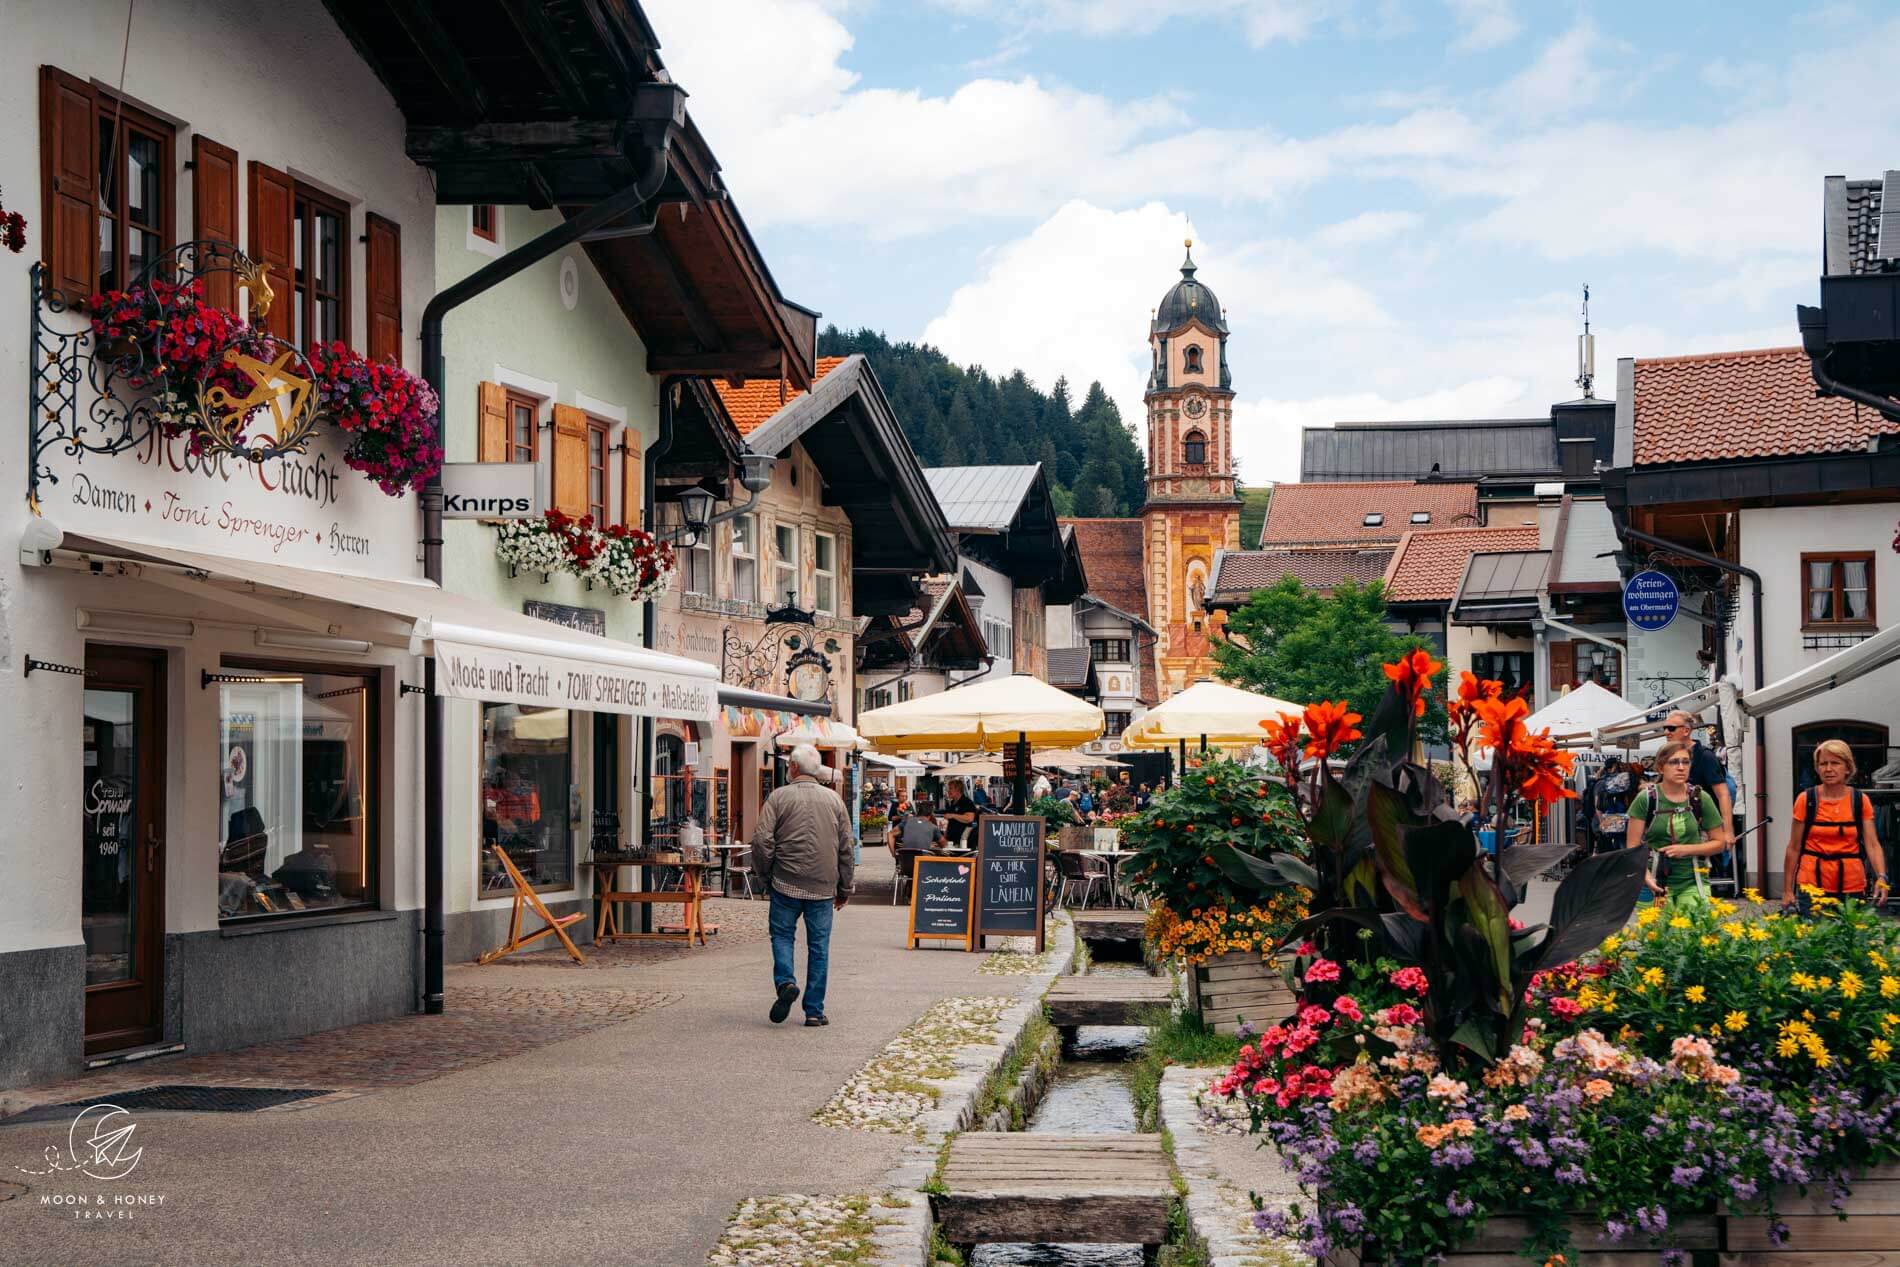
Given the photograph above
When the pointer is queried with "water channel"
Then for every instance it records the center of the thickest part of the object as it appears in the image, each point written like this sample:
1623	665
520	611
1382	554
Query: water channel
1090	1094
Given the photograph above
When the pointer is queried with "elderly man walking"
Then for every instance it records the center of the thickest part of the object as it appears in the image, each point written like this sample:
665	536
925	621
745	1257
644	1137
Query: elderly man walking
802	851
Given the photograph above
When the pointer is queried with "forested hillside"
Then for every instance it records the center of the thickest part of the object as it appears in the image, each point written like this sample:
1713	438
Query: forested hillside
957	416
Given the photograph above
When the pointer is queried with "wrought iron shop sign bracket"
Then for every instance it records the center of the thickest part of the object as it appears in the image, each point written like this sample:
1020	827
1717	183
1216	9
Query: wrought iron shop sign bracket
159	359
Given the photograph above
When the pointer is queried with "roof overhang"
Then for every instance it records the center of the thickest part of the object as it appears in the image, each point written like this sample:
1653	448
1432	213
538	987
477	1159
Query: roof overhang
1793	480
560	104
848	430
1033	549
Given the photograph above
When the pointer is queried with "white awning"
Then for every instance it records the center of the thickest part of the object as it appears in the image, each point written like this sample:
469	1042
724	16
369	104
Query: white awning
896	765
1837	670
481	651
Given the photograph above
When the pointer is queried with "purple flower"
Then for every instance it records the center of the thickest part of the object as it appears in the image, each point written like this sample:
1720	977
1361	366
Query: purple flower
1458	1206
1366	1151
1570	1172
1652	1219
1686	1176
1614	1230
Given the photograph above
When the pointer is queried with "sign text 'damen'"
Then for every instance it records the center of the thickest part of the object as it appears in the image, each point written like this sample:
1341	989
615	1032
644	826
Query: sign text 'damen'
546	681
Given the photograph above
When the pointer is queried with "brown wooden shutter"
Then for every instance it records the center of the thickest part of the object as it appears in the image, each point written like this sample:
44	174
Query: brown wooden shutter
384	301
273	229
69	182
1563	664
632	486
214	210
492	435
570	460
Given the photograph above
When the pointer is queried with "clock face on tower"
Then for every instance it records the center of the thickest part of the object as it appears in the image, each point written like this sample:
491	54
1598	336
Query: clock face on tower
1194	407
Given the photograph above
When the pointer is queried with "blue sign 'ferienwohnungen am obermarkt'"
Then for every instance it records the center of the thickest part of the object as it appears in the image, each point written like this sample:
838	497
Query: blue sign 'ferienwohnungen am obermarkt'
1650	600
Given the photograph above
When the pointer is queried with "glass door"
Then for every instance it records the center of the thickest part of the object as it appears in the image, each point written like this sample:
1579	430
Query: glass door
121	840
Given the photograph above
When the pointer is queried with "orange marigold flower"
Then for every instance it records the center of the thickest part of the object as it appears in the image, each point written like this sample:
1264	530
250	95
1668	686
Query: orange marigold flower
1330	725
1412	674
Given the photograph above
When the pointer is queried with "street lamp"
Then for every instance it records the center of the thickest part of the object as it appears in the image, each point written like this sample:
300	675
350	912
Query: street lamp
695	513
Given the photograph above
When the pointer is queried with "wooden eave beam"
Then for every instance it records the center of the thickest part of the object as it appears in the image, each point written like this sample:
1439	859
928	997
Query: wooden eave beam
542	197
697	318
530	17
610	35
521	141
746	362
439	51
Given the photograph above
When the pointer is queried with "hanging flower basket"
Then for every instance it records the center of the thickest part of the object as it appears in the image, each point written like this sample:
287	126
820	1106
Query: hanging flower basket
165	338
12	229
388	413
629	562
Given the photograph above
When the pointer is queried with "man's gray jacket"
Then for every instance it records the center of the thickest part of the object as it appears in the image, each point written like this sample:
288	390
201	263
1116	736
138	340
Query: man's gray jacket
802	846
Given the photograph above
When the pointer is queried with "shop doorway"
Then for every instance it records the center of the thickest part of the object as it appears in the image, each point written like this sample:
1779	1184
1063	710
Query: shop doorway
122	840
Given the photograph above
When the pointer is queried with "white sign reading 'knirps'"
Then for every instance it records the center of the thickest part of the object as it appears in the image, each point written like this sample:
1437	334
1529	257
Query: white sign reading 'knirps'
547	681
488	490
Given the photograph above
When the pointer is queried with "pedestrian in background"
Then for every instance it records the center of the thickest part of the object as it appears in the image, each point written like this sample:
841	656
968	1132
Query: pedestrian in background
802	851
1679	822
1833	846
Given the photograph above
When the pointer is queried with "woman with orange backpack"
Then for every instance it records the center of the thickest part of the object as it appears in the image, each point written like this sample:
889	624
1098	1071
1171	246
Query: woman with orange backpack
1833	846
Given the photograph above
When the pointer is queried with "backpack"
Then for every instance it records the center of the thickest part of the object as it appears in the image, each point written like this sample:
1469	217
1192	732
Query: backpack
1812	807
1644	807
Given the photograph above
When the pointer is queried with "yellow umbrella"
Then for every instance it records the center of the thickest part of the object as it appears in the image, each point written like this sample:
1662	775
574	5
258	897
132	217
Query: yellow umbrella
988	715
1206	713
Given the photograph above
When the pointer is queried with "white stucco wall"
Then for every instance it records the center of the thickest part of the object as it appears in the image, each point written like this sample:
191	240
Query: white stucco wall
1772	542
281	85
998	604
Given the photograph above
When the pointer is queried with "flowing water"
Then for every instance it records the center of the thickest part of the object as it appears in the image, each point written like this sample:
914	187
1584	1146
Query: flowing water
1090	1094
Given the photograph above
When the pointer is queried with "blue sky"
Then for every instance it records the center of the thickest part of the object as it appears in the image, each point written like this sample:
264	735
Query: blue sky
1396	202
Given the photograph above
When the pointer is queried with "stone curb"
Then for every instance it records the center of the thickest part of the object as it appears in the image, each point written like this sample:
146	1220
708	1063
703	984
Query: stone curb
1218	1215
905	1242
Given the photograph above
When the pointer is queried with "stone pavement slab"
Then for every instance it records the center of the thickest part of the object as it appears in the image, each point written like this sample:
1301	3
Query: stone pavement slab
1224	1168
628	1143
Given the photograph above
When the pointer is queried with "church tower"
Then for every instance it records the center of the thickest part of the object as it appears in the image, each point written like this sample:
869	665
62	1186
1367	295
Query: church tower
1192	511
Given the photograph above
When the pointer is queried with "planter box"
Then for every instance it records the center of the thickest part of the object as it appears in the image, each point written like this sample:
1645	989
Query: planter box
1501	1244
1237	986
1870	1236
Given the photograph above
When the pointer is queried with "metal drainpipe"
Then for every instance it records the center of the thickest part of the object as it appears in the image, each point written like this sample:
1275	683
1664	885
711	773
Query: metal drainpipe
435	373
1761	723
649	624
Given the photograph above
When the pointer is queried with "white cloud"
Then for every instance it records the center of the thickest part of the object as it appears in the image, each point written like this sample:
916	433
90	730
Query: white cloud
1368	226
1261	22
1568	75
1485	23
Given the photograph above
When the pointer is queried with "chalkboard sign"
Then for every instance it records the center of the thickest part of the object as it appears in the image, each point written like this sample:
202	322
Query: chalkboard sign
940	905
1009	871
722	810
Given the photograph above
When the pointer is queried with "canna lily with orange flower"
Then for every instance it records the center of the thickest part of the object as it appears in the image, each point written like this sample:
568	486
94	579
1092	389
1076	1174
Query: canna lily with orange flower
1329	726
1462	712
1412	676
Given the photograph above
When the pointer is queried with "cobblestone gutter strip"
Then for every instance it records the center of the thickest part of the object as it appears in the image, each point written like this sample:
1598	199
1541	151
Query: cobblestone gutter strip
905	1240
1219	1213
805	1230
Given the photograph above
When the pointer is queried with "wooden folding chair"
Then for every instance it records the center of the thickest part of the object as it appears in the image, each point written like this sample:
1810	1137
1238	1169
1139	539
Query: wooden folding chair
525	895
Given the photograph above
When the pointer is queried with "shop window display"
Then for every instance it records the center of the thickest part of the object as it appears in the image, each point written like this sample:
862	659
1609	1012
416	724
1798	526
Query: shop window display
527	769
296	804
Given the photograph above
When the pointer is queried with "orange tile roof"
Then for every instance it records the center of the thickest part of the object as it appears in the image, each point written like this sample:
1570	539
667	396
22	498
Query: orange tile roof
1317	514
1427	565
752	404
1726	405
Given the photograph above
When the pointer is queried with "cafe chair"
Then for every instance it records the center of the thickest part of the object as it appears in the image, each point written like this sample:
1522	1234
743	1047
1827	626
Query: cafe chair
906	873
1075	871
739	863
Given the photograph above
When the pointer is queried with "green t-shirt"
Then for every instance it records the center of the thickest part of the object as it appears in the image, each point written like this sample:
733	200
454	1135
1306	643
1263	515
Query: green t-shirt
1667	822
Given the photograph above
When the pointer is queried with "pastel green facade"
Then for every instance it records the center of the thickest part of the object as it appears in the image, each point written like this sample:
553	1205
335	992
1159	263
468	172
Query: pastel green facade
523	334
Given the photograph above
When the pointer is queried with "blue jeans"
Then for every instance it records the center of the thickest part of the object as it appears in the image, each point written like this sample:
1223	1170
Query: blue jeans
784	925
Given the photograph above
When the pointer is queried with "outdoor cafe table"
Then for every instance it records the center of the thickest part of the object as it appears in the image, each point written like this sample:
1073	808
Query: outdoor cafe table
690	897
727	848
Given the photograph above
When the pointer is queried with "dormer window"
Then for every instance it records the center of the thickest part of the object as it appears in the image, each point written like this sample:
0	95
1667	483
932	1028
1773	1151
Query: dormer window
1374	519
1192	362
1194	449
1421	516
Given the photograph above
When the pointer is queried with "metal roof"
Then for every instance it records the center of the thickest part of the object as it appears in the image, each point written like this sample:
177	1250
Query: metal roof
981	498
1465	449
1855	214
1503	574
1071	667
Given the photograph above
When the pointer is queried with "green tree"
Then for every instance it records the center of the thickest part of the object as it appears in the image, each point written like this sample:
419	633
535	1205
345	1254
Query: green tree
1305	647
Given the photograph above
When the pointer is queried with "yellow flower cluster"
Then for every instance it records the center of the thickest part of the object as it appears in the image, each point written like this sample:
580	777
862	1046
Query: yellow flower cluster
1798	1036
1208	932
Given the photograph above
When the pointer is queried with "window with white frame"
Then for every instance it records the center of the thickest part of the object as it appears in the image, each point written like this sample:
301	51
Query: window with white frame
785	564
825	573
745	558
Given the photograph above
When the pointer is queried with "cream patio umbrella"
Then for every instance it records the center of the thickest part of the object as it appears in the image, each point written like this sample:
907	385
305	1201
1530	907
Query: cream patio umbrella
1208	712
1070	759
1018	710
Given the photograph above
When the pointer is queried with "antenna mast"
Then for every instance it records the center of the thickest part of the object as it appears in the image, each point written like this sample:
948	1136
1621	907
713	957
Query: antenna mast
1586	351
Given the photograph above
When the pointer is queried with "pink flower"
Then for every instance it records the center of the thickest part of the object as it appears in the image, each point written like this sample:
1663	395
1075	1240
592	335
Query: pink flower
1412	979
1323	970
1347	1007
1314	1016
